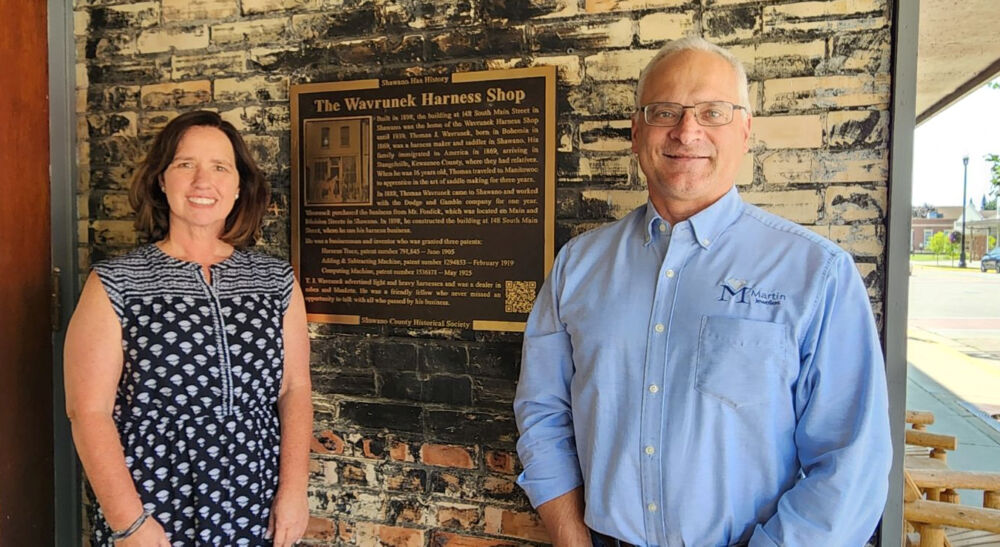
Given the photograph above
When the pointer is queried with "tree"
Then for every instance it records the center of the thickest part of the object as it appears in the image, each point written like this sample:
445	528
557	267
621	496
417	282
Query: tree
994	159
923	211
939	244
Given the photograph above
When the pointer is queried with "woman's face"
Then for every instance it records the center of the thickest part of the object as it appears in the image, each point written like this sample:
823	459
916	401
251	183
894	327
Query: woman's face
201	183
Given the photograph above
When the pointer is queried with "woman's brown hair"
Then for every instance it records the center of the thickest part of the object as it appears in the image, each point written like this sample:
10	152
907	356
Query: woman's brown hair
242	227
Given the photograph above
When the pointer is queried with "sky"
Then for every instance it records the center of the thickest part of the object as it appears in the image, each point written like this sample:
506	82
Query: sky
970	127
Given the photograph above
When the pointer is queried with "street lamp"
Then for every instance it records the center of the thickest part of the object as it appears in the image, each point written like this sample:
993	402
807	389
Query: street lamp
965	178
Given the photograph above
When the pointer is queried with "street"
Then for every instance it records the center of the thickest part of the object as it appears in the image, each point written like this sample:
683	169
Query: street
963	306
953	358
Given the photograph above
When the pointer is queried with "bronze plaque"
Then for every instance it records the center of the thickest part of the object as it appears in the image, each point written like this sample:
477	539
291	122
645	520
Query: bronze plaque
427	201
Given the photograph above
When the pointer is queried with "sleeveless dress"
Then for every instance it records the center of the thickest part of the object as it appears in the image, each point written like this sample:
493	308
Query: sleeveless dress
196	406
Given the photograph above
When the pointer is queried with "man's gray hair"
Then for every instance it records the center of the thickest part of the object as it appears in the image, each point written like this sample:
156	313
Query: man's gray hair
699	44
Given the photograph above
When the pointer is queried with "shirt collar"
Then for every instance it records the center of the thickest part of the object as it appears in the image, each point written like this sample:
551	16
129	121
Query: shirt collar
652	224
707	225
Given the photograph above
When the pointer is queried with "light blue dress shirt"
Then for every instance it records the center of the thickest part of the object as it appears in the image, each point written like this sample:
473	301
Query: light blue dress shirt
717	382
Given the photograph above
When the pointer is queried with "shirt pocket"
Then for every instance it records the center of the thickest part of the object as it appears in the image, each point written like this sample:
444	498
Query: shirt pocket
742	362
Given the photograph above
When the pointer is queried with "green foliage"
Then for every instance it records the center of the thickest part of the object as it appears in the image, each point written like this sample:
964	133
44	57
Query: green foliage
940	244
994	161
991	242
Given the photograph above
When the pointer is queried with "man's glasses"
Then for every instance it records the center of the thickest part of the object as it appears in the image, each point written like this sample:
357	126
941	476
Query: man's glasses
710	113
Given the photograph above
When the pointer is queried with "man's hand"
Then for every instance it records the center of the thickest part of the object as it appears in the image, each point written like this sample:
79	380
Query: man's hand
289	518
563	518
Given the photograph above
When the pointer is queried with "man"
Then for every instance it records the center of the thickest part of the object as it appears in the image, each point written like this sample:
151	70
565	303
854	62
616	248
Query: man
702	372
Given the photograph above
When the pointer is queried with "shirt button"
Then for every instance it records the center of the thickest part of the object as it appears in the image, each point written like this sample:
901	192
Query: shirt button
650	450
705	242
670	273
659	327
653	388
662	227
651	507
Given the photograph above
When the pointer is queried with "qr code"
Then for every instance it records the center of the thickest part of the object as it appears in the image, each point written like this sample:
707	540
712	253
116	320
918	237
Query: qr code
520	295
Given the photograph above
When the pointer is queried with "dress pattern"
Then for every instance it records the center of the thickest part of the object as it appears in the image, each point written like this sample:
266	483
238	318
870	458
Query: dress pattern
196	406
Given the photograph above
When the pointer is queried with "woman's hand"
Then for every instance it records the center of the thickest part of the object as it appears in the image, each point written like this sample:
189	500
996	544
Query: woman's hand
289	518
150	534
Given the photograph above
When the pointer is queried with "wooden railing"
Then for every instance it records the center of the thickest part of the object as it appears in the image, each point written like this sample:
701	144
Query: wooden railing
930	500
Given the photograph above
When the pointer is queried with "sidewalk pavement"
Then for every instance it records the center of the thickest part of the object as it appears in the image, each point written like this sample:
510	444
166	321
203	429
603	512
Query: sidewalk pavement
962	389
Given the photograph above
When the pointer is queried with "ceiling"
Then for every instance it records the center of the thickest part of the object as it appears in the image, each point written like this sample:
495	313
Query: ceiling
959	51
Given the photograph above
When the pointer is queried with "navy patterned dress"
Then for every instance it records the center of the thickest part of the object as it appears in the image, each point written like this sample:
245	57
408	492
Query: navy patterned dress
196	406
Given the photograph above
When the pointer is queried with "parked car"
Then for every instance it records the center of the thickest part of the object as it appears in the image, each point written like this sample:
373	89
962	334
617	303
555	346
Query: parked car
991	260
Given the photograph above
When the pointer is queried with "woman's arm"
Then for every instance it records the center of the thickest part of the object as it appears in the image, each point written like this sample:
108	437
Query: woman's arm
93	365
290	512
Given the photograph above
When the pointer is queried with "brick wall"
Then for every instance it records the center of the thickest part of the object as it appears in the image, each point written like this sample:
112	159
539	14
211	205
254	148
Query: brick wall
414	436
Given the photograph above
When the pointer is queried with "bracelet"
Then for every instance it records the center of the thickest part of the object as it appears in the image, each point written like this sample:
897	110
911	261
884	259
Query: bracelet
122	534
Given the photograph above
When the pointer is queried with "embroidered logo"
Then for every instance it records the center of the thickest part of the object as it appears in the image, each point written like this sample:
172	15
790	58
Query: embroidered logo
741	292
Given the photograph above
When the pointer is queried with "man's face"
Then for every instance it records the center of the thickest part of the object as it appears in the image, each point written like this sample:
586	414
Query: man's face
689	166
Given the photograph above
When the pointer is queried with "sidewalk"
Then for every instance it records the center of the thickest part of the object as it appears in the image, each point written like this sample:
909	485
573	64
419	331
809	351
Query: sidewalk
945	264
941	376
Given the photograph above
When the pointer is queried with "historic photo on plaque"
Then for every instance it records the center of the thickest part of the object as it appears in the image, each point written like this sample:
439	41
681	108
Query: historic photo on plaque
337	165
427	201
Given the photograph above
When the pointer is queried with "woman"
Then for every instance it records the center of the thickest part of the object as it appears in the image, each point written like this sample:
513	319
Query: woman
187	360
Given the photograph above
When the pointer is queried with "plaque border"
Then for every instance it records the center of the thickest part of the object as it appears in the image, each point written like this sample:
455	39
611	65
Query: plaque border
547	72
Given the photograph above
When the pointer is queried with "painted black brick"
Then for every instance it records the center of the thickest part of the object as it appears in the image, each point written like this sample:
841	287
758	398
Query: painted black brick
137	71
352	474
359	20
409	386
606	132
102	19
567	203
98	206
455	485
345	381
391	416
393	355
564	232
566	36
110	125
725	22
117	150
401	510
471	427
400	385
495	360
112	98
452	358
477	41
405	479
380	51
341	351
511	493
494	393
449	390
519	10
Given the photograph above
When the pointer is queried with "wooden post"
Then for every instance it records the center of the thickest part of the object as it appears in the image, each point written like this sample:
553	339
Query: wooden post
931	535
933	494
991	499
949	495
917	417
939	454
949	514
